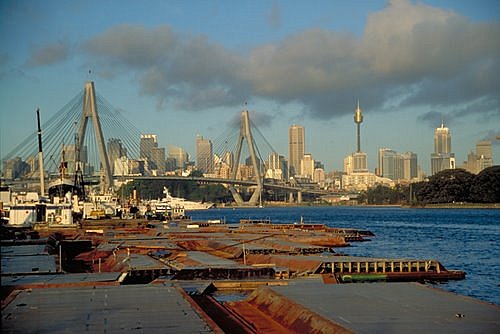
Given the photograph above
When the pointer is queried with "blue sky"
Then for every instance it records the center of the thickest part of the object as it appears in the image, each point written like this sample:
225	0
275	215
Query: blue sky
181	68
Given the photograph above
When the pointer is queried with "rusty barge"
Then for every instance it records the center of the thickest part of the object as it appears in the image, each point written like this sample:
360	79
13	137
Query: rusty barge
150	268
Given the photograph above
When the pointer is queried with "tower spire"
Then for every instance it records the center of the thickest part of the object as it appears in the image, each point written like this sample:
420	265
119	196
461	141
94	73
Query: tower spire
358	119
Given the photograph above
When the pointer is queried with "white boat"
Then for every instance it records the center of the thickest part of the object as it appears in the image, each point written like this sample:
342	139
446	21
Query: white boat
26	210
187	205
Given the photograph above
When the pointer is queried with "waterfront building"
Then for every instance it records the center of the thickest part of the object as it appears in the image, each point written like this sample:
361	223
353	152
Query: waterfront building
360	181
442	158
296	148
204	155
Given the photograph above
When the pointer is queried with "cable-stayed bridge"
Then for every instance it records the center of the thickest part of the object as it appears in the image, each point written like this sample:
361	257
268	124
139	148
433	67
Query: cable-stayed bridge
83	135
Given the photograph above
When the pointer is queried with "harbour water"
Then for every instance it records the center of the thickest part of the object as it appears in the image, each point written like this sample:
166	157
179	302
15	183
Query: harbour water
462	239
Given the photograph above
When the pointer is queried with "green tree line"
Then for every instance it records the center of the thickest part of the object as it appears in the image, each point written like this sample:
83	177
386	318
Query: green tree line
448	186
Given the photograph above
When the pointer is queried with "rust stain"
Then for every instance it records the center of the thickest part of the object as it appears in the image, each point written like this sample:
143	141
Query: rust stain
294	317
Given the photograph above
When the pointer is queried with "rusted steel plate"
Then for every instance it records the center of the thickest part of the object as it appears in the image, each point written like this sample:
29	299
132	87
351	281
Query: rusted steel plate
294	317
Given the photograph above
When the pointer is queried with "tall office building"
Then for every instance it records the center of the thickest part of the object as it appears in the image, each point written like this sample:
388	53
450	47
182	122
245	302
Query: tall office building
276	167
481	159
307	166
442	140
204	155
179	155
116	150
397	166
348	164
442	158
146	145
360	162
158	159
296	148
410	166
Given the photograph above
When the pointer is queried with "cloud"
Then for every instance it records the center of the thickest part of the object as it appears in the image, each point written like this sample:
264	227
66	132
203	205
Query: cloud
188	71
409	55
49	54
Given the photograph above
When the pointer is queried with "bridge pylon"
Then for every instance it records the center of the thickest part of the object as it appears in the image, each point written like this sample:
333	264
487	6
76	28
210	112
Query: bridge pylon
90	111
246	134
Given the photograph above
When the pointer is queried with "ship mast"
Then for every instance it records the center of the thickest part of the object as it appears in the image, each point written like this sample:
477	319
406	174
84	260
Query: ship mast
40	154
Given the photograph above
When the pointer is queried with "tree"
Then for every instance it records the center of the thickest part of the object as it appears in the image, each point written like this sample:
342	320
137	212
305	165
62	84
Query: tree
486	186
386	195
451	185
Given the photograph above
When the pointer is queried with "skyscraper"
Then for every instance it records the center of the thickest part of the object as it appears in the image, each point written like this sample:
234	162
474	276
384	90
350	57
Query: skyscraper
442	140
204	155
146	145
179	155
442	158
481	159
397	166
116	150
307	166
296	147
410	166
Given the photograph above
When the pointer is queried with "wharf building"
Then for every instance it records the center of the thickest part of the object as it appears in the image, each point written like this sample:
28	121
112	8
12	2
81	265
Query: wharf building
481	159
442	158
296	148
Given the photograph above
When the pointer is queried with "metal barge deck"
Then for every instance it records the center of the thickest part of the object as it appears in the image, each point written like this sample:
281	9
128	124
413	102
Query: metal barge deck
103	270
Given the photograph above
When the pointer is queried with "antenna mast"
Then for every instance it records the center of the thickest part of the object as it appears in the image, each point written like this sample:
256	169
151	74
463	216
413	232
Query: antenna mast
40	155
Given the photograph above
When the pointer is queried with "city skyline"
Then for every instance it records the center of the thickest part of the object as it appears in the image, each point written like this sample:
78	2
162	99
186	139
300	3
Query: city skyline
176	70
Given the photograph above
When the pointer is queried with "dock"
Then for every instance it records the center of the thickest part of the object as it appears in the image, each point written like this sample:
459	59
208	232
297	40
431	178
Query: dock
252	277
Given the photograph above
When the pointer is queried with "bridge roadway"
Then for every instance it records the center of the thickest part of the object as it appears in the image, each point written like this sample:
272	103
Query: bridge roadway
229	181
22	184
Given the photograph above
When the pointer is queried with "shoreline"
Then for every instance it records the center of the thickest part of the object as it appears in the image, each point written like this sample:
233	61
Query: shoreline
415	206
